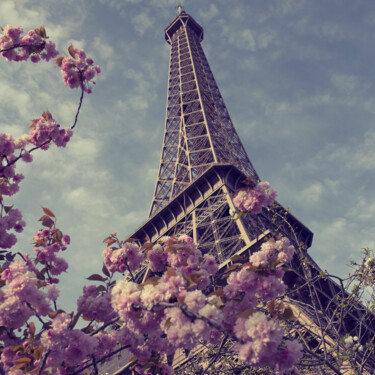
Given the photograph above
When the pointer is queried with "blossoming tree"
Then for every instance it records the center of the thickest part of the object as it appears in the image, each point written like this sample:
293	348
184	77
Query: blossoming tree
186	301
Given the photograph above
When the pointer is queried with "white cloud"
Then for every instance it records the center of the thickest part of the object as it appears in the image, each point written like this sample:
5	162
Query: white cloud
364	210
250	40
265	38
344	82
88	202
332	31
143	22
106	55
312	194
246	40
172	4
13	98
12	13
209	14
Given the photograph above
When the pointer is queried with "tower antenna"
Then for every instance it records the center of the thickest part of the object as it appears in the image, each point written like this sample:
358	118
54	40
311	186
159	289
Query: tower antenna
180	9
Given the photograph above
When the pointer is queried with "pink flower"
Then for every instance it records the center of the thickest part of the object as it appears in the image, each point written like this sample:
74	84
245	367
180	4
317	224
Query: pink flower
255	199
209	264
265	336
287	358
212	313
195	300
27	157
13	33
94	305
7	145
35	58
157	258
52	292
50	51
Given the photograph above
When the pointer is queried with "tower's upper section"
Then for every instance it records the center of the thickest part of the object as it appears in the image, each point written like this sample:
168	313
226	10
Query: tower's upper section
198	130
183	19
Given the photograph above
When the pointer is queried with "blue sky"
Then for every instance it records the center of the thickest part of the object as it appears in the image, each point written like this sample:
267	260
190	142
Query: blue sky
297	79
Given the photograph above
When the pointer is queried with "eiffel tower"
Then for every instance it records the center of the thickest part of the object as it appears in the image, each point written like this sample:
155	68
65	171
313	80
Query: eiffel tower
203	162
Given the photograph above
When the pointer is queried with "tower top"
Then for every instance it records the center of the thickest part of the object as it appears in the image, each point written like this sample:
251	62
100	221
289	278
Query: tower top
198	130
182	20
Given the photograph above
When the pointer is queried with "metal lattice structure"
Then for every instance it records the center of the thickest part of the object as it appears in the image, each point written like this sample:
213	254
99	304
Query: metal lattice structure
202	164
198	128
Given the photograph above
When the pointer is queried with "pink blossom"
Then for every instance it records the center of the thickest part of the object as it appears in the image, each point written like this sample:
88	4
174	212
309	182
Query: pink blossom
119	260
255	199
209	264
58	266
52	292
27	157
35	58
124	296
94	305
13	33
157	258
78	71
195	300
265	336
288	357
212	313
50	51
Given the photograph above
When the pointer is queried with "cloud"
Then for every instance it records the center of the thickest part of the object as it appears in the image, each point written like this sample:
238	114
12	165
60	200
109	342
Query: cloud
250	40
344	82
143	22
265	38
16	99
209	14
105	53
20	14
358	156
312	194
364	210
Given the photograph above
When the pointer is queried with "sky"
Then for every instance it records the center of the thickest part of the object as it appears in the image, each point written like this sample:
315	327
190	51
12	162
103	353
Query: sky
296	77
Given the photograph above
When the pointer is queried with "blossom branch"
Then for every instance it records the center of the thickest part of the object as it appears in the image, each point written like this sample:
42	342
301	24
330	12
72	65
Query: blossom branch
37	46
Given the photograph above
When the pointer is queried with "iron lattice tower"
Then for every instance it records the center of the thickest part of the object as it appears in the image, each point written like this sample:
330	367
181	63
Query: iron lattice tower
198	130
202	164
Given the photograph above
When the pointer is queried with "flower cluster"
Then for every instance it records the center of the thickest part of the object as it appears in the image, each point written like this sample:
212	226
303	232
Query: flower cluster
22	298
273	252
170	310
9	179
12	220
174	311
48	242
45	129
125	258
254	199
77	70
95	305
16	47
